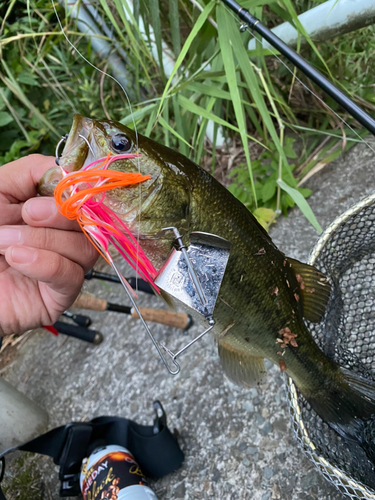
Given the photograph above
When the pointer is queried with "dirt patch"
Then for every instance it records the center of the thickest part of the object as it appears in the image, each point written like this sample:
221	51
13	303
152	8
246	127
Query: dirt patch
10	346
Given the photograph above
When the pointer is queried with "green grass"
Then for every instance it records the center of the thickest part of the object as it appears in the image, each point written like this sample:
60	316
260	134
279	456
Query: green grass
215	79
23	480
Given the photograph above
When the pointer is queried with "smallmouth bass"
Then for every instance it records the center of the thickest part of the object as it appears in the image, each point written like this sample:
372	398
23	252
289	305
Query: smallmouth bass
264	295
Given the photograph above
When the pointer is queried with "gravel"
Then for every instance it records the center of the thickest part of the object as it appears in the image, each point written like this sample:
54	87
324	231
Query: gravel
238	443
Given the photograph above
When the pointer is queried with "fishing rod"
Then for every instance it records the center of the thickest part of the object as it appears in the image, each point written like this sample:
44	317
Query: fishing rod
337	95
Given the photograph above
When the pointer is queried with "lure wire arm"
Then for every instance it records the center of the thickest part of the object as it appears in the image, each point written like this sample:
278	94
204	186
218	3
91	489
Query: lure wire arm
160	346
211	322
192	273
154	341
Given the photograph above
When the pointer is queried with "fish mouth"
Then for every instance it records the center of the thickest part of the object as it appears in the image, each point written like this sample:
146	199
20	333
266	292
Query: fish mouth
80	150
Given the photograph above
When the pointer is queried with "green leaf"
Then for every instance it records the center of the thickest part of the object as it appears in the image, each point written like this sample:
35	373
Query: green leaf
288	147
197	26
305	192
2	103
26	78
302	204
268	190
198	110
138	115
249	4
136	44
209	90
5	118
264	216
301	29
155	21
175	26
253	88
226	27
13	86
166	125
180	125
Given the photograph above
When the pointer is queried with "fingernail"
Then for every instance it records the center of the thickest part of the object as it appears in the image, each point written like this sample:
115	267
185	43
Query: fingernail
23	255
41	209
9	236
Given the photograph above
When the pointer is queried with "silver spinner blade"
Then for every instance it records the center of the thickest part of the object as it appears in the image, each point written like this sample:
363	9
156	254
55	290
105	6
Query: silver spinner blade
208	254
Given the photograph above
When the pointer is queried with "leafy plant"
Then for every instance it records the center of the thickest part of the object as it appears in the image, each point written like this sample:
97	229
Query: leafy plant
191	77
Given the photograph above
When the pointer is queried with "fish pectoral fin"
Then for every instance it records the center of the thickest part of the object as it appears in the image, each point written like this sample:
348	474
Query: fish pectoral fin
239	366
314	290
167	299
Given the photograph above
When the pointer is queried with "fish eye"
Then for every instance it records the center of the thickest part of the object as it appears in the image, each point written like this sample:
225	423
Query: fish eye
121	143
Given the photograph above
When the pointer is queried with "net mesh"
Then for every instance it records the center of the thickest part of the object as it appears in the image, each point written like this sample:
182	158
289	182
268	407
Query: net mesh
346	254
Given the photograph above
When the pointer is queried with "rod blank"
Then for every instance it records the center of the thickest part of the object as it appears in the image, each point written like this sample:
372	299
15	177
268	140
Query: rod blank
312	73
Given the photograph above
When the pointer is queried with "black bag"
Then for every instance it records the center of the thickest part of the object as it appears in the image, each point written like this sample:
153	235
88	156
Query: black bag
154	447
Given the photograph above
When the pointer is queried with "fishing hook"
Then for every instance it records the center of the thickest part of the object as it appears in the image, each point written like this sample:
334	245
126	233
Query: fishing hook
57	157
63	139
88	144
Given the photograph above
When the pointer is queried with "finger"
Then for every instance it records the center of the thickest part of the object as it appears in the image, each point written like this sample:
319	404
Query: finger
42	212
18	182
19	179
3	264
69	244
62	278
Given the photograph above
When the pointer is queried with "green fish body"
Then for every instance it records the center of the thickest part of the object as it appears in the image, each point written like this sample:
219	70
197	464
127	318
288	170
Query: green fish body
264	295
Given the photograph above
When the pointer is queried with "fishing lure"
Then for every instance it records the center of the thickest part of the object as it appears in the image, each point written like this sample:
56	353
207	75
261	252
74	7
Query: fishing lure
80	196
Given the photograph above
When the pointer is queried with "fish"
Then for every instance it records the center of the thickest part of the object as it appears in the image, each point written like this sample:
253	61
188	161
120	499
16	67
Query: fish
264	297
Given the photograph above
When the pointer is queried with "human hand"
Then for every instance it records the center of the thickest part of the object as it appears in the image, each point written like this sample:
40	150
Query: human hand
43	255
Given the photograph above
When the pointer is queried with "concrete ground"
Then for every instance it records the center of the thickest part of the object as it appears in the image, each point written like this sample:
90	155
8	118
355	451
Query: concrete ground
238	442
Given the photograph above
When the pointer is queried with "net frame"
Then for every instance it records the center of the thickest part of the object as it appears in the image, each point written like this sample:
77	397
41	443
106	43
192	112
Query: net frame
359	245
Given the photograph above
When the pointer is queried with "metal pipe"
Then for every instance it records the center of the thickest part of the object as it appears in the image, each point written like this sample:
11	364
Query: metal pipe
336	94
325	21
87	26
107	31
168	64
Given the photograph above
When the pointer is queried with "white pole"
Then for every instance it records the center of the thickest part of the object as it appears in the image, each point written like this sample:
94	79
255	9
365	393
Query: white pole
327	20
21	419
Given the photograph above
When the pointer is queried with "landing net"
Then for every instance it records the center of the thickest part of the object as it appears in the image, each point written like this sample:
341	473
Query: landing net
346	254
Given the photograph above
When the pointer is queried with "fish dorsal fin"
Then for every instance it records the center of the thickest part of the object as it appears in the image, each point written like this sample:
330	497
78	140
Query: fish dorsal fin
314	290
239	366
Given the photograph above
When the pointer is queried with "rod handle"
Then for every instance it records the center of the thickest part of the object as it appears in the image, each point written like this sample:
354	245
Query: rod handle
85	301
169	318
92	336
81	320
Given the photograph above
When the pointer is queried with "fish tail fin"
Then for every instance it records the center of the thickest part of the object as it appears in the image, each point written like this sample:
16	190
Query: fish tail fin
347	404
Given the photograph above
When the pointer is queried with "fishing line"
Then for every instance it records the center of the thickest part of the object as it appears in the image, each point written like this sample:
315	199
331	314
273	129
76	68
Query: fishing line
296	77
97	69
131	112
